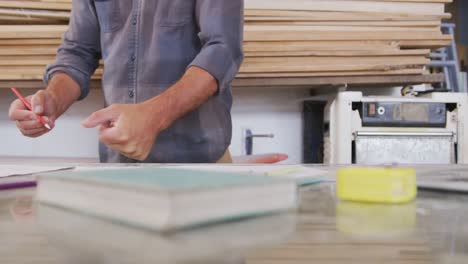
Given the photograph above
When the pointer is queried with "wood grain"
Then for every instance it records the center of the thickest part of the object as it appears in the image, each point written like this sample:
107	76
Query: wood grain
303	40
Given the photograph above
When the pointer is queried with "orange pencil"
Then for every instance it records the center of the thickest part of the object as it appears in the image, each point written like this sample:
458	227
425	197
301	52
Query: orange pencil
28	105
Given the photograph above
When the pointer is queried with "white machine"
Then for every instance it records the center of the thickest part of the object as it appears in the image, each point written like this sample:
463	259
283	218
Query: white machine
432	129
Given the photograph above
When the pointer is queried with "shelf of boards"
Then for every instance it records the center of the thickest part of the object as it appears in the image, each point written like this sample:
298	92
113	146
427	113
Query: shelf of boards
290	83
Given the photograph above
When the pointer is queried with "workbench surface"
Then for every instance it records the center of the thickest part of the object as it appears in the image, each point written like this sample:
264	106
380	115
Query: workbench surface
433	229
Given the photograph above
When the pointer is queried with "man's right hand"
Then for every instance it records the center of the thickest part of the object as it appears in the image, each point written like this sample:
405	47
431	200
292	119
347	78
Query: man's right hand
44	103
51	103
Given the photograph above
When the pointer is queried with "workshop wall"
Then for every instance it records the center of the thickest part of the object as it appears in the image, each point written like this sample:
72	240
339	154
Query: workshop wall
271	111
276	111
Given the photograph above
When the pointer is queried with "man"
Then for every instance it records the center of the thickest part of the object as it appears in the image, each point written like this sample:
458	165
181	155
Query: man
168	65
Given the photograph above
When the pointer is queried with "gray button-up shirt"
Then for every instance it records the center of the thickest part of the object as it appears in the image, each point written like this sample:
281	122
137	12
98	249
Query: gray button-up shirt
147	45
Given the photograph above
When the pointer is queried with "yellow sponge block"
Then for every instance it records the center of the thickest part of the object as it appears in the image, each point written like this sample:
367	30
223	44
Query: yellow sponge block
377	185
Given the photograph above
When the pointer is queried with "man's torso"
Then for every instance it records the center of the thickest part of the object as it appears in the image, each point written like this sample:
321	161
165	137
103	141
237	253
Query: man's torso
146	47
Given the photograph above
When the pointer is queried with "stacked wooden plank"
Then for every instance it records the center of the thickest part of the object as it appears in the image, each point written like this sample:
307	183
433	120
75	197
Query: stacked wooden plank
314	38
30	32
283	39
34	12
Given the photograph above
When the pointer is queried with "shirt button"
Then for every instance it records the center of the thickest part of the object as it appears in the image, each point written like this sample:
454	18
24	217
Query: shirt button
134	21
131	93
133	58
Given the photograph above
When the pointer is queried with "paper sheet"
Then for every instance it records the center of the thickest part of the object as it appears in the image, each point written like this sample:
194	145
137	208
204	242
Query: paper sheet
302	174
19	170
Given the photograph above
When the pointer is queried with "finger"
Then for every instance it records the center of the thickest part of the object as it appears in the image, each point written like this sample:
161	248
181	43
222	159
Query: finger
38	134
121	149
134	154
18	105
34	132
131	150
116	140
18	111
21	115
38	102
33	123
141	157
112	136
29	124
102	117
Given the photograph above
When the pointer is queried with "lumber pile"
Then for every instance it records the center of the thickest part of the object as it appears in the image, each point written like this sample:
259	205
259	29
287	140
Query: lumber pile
313	38
34	12
30	33
291	39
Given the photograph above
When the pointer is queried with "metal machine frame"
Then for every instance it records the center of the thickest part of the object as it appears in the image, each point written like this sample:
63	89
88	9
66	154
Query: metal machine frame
345	124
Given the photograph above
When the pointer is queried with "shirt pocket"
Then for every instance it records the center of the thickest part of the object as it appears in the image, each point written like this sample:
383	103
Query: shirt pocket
108	13
175	12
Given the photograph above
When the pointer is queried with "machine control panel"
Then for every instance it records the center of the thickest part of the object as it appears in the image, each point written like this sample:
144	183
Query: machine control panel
398	114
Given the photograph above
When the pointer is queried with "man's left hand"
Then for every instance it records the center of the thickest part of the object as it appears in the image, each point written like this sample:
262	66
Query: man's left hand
130	129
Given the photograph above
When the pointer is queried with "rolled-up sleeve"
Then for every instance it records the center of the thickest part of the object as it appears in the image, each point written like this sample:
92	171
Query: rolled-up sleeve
221	35
79	54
